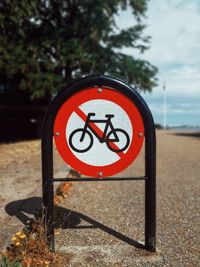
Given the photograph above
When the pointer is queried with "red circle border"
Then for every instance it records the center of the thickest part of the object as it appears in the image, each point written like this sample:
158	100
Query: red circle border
70	106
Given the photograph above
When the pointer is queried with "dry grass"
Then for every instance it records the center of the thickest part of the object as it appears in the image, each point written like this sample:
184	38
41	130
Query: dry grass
29	246
63	188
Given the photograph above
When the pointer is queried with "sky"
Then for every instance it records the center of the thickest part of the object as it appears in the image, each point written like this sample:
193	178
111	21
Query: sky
174	27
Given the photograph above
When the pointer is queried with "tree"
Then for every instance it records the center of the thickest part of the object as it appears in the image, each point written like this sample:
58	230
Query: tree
45	44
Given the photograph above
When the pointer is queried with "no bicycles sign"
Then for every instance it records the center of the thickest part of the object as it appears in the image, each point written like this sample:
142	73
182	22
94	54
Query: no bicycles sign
98	131
99	124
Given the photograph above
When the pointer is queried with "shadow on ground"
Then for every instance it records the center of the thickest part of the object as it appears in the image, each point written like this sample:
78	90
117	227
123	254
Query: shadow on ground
188	134
25	209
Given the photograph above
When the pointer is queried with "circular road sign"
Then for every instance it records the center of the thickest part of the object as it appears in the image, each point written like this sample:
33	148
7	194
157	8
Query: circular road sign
98	131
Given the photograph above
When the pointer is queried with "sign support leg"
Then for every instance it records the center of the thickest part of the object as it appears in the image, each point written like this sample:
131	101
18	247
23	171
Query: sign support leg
150	233
48	214
47	185
150	191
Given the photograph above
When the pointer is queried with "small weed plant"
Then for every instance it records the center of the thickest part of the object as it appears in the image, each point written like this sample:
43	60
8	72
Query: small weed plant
6	263
28	247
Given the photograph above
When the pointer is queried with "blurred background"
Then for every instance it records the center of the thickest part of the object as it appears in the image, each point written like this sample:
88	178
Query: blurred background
44	45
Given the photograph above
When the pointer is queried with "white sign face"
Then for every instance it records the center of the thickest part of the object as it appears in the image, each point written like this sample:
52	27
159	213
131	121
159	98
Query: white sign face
98	131
99	154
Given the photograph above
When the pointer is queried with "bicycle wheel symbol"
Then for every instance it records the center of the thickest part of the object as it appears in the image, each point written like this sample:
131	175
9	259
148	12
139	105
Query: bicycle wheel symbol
76	142
121	144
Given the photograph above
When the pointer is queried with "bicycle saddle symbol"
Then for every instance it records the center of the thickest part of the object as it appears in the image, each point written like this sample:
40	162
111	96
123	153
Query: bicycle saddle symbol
81	139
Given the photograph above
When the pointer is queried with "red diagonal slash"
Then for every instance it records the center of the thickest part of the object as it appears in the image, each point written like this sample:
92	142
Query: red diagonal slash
99	132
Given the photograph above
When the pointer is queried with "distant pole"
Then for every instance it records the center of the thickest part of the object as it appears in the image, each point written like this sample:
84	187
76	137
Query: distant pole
164	107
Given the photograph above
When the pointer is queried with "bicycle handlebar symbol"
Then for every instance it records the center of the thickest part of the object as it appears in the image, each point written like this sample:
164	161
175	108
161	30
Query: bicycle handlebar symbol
81	139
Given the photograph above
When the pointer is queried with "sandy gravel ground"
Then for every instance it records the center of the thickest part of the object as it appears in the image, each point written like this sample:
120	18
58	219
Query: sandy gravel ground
100	221
20	179
103	217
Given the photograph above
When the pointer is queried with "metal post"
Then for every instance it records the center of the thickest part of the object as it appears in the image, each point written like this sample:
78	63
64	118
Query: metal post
150	189
164	107
47	183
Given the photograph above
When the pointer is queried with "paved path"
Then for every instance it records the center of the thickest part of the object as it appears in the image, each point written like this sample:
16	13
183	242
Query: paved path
20	179
103	220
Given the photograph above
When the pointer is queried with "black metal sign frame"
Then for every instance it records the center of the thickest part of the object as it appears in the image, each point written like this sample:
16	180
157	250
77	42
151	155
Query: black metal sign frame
150	155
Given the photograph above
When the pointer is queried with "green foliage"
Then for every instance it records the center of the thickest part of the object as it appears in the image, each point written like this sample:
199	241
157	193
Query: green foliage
6	263
44	44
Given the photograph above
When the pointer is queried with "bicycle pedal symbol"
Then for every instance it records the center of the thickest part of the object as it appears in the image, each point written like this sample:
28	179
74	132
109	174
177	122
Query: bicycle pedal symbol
81	140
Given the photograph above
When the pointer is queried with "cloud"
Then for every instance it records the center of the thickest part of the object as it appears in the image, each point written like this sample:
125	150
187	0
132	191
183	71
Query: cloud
183	80
174	27
177	113
175	31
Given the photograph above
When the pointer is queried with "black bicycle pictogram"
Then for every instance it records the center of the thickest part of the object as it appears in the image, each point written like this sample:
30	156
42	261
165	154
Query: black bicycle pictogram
81	139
